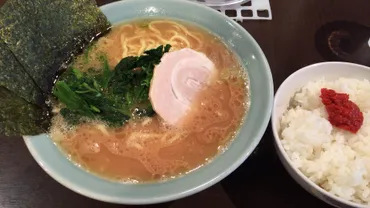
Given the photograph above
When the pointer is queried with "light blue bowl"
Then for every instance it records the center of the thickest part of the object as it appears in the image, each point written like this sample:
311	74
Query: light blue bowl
261	85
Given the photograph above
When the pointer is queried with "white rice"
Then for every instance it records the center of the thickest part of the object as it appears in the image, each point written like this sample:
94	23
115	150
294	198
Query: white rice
336	160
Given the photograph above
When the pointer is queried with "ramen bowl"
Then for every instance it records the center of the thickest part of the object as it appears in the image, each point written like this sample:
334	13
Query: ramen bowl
55	163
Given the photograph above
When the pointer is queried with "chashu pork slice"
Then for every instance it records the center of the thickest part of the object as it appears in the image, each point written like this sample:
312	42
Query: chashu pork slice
177	80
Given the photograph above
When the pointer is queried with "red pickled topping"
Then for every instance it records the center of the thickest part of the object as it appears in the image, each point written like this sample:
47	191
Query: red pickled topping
343	113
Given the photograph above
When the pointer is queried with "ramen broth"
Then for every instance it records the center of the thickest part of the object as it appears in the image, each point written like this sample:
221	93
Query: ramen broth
148	149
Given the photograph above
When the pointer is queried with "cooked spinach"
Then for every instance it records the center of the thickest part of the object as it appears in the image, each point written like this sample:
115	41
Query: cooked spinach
112	95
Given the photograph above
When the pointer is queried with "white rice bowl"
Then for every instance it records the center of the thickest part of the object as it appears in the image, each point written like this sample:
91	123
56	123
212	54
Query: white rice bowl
336	160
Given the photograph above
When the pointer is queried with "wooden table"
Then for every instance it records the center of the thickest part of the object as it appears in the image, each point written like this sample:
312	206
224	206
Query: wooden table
289	44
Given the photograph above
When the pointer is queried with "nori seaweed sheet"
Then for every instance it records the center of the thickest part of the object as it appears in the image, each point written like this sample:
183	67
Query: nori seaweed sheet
18	117
43	34
82	21
14	78
19	30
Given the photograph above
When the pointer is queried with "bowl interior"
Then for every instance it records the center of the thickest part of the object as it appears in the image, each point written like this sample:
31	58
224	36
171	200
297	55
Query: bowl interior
331	71
261	86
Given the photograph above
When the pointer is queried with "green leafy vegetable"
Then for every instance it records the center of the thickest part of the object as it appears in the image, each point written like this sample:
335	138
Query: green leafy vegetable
133	75
111	96
87	53
71	98
145	24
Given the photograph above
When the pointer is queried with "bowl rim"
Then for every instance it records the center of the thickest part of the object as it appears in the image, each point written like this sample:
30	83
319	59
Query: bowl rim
63	180
277	139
